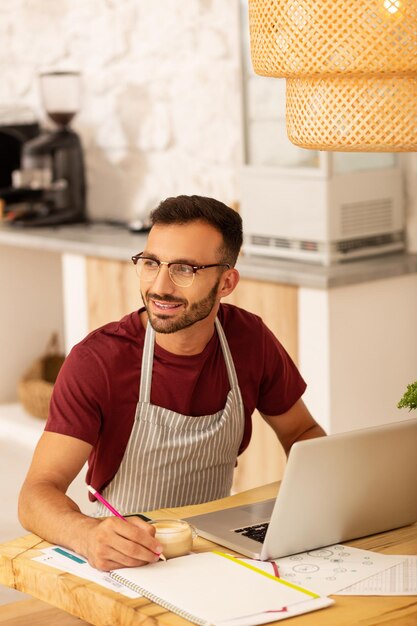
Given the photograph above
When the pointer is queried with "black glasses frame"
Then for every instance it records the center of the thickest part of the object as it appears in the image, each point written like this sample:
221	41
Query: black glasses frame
195	268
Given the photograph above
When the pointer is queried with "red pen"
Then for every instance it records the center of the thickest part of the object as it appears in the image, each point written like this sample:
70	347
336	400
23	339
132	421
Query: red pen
108	506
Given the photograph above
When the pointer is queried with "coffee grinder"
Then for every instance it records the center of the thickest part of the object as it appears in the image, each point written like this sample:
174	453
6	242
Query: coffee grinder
50	186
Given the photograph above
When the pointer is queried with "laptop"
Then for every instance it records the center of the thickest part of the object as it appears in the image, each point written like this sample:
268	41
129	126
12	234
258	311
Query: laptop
335	488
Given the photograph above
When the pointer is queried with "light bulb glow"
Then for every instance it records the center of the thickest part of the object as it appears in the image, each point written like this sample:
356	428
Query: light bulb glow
392	6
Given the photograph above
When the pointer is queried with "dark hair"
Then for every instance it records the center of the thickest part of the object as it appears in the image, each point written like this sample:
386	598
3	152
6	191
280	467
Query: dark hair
185	209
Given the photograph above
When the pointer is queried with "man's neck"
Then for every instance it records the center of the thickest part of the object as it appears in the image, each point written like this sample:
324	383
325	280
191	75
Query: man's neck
187	342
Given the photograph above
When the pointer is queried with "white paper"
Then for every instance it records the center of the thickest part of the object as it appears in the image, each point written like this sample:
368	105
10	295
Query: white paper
400	580
254	620
68	561
290	611
217	589
330	569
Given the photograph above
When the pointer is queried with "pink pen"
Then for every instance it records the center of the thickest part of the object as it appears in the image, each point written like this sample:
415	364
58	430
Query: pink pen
103	501
108	506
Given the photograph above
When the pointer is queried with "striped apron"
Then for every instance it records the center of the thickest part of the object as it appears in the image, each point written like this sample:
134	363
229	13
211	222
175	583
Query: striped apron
173	459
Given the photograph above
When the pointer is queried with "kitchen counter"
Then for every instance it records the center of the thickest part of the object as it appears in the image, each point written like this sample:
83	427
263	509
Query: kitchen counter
115	242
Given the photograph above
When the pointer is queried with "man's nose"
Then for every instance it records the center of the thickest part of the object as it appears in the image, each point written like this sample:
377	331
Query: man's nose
163	282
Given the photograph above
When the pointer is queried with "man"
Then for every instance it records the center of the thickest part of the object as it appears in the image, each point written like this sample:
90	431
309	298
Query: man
160	402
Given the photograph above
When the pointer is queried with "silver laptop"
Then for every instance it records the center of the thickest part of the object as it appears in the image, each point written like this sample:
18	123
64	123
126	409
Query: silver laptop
334	489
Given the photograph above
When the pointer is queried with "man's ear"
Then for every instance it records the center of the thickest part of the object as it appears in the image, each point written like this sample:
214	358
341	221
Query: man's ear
228	282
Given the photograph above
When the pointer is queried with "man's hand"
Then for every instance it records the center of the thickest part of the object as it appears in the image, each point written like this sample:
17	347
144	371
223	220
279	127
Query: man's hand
46	510
114	543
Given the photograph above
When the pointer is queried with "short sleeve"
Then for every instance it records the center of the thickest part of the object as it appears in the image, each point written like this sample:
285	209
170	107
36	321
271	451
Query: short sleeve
282	384
77	399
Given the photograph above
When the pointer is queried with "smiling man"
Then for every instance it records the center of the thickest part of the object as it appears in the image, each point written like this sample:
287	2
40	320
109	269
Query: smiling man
160	402
196	299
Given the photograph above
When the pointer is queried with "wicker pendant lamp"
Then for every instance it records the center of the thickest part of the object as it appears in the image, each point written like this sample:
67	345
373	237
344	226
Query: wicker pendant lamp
351	70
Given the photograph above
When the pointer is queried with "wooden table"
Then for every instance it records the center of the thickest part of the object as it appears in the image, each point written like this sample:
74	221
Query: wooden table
101	607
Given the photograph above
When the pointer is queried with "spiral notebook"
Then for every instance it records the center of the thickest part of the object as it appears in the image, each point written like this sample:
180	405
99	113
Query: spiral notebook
218	589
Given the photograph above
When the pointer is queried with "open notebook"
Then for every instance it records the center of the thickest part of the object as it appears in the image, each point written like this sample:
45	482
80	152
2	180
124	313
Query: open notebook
218	589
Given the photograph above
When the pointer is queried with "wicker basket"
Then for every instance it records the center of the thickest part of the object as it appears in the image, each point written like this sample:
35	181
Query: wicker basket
35	388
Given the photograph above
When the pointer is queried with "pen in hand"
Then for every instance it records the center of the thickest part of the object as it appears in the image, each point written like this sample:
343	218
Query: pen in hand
108	506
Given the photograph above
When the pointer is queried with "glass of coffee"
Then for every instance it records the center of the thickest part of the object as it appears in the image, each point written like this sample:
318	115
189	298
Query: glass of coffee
175	536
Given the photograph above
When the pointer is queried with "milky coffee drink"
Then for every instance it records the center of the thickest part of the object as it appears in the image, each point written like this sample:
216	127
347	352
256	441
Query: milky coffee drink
175	537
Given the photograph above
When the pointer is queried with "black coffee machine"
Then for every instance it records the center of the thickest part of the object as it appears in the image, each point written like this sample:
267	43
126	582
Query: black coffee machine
49	188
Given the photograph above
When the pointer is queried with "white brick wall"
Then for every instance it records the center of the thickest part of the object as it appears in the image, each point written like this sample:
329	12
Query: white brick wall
162	103
161	108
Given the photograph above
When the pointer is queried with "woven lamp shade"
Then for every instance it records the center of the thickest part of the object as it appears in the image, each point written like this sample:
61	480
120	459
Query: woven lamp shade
351	70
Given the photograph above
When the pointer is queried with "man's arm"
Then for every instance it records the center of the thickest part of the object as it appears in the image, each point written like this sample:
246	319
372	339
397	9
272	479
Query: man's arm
45	510
294	425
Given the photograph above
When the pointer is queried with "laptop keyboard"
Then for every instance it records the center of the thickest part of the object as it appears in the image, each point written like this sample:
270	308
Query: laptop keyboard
256	532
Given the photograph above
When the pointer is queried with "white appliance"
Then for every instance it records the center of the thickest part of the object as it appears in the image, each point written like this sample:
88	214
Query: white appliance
316	214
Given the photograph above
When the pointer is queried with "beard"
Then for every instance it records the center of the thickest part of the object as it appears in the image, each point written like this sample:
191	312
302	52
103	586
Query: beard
193	313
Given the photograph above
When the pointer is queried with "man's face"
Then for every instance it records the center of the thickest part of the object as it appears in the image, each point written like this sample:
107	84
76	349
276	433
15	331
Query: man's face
171	308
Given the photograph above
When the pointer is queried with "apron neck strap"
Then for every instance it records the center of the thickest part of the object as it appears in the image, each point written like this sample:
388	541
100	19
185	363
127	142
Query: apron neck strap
148	354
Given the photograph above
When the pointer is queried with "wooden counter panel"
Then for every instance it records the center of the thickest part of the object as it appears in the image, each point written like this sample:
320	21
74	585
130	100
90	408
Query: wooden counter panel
264	460
112	290
276	304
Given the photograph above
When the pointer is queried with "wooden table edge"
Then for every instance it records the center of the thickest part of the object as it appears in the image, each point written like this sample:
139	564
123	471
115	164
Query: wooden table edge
90	601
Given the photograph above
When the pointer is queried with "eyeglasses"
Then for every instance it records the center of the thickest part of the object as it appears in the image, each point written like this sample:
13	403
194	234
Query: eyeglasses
181	274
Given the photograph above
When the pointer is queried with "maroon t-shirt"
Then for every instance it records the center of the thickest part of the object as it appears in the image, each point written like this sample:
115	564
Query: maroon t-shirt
97	389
